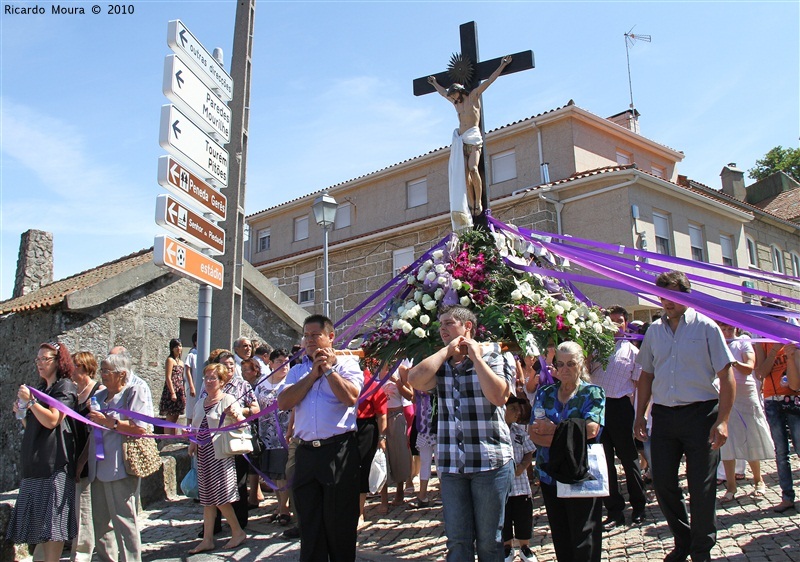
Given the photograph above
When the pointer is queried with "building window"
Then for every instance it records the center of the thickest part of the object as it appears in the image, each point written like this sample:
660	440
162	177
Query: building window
777	260
305	292
300	228
697	242
752	252
624	158
795	265
726	245
504	166
402	258
342	219
264	239
661	224
658	171
417	193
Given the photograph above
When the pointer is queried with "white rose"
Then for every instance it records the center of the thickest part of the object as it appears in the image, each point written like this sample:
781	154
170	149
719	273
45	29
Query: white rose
465	301
516	295
456	284
593	316
438	254
412	313
558	309
598	328
531	349
440	268
426	298
420	333
410	279
566	305
396	325
430	305
572	316
438	294
421	275
442	280
430	276
417	295
406	327
424	319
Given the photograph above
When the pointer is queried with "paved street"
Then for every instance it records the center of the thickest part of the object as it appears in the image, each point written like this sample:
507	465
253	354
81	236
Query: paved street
748	531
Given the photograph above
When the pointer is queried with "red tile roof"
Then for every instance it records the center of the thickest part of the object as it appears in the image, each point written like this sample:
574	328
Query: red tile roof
785	205
57	291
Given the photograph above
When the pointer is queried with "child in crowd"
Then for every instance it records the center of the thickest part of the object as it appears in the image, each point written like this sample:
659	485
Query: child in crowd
519	506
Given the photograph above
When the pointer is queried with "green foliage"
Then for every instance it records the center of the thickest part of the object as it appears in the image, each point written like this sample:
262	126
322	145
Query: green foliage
777	159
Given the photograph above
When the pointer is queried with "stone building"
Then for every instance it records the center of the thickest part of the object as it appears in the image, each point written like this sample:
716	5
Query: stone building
564	171
128	302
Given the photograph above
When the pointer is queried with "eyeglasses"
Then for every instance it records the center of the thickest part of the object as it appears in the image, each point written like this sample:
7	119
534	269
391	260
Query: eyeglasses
40	360
108	371
561	364
210	379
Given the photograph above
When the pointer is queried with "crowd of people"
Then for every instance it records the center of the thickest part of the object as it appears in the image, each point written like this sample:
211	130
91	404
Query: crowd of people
689	387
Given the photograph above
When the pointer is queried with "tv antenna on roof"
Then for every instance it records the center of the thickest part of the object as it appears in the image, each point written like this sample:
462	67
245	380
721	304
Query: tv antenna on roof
630	39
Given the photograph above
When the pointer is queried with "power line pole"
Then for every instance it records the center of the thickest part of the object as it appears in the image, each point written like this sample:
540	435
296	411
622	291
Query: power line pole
226	308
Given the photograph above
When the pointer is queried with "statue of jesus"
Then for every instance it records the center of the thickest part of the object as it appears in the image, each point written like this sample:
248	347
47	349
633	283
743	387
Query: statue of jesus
465	151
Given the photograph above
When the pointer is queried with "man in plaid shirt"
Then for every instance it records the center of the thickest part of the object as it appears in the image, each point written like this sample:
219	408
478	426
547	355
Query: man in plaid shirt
474	455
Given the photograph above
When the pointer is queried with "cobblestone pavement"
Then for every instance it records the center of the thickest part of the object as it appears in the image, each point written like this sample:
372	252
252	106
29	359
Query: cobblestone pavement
748	531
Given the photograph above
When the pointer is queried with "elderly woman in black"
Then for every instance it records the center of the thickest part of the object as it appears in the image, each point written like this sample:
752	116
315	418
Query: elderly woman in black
45	510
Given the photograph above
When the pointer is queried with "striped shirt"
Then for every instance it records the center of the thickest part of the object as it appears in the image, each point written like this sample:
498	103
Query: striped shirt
619	378
472	433
522	444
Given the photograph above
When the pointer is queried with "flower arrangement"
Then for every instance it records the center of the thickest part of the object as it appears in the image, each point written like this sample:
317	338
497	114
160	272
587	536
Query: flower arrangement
524	311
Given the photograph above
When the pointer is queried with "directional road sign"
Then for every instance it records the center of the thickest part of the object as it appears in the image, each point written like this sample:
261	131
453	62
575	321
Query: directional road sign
187	91
182	221
192	52
185	260
185	140
175	177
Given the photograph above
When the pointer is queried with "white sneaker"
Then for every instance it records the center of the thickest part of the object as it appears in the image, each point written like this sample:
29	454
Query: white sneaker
527	555
510	557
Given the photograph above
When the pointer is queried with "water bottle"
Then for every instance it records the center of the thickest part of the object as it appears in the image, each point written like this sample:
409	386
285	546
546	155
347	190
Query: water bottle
538	411
94	405
22	408
785	381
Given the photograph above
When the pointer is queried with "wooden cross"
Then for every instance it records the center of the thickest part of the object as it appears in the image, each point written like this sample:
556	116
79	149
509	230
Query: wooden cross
481	71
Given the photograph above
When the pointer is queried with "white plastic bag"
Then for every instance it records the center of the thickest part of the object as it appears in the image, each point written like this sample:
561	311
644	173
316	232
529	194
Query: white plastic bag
596	486
377	473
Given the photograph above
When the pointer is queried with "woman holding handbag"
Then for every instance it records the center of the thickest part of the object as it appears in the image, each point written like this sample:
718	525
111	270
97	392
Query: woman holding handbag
216	476
575	523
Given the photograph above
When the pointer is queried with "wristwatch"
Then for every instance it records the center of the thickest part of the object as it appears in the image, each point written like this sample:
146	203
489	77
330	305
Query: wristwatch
382	438
116	423
31	402
328	372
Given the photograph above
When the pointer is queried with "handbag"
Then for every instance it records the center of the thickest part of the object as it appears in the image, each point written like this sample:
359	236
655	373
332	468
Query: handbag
141	456
595	485
235	442
258	444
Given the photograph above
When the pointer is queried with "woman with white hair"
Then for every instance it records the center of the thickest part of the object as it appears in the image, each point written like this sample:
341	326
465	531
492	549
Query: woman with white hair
115	493
575	523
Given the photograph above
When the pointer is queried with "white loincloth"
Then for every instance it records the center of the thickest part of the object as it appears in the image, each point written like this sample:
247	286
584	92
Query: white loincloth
460	213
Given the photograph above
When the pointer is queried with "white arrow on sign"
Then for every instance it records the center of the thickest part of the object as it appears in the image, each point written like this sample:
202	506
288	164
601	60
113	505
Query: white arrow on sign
192	52
187	141
185	89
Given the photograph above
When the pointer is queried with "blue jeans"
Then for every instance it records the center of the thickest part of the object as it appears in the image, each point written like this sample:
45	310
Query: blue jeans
782	425
474	507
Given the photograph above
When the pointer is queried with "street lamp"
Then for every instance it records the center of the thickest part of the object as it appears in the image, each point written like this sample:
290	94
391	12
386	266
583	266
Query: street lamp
325	213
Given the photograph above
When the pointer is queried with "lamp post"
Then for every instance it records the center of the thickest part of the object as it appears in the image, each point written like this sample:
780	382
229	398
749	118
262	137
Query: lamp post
325	213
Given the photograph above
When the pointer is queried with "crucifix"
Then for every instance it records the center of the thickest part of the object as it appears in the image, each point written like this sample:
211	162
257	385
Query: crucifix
463	84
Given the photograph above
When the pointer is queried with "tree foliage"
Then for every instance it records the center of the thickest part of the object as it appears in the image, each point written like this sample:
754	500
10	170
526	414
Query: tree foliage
777	159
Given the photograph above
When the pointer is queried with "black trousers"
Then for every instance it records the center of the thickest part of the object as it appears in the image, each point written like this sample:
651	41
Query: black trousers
617	439
326	497
575	525
518	522
680	431
367	445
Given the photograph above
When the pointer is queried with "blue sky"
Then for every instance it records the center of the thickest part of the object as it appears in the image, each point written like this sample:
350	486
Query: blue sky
331	96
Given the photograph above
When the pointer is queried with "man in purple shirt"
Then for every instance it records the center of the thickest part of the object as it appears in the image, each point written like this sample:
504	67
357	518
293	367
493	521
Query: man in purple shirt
323	390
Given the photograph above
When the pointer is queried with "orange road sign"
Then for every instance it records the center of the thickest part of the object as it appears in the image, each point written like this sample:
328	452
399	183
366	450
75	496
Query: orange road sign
185	260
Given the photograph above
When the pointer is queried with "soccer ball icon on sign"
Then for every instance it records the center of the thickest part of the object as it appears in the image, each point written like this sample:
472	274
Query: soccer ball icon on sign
180	257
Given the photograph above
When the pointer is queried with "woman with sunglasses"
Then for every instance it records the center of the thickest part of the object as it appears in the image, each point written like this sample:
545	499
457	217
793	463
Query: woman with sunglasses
575	523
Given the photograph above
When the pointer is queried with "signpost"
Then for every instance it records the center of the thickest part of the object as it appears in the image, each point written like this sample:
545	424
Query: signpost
187	91
185	140
176	178
186	261
178	219
192	52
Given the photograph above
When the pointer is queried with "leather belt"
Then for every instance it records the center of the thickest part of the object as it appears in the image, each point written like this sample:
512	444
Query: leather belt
327	441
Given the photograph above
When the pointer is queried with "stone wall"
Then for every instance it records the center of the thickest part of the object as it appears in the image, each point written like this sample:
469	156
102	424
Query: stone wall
143	320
